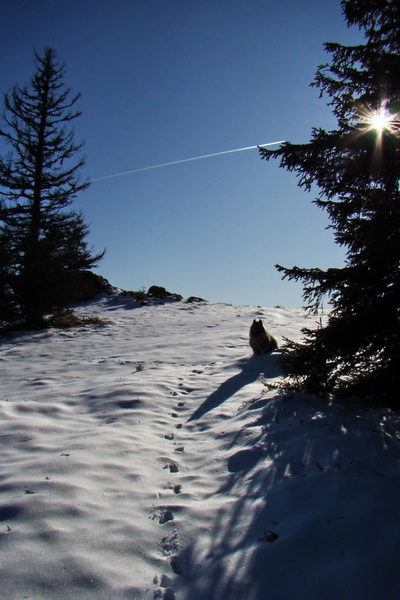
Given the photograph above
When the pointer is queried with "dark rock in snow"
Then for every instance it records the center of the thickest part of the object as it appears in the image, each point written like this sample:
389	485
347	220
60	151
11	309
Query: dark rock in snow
195	299
161	293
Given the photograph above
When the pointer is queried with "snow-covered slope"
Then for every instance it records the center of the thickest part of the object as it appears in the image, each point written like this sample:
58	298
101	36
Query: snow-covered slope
145	459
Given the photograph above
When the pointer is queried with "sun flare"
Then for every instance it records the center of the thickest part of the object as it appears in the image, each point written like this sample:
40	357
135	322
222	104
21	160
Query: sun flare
380	119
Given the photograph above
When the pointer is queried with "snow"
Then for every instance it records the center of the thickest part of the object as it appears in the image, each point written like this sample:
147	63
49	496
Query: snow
144	458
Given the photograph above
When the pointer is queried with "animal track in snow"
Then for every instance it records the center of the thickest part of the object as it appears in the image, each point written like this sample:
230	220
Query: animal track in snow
175	487
177	565
186	389
168	594
165	581
166	516
162	514
172	466
170	543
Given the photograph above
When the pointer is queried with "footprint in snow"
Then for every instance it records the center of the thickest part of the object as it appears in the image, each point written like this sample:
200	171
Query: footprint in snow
168	594
165	581
166	516
177	565
170	543
176	488
173	467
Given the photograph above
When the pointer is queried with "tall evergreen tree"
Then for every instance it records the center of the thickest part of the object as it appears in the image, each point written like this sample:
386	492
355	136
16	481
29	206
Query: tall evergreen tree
43	242
357	170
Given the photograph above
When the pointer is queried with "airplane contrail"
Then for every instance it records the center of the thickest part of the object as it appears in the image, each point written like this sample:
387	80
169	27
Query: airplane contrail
177	162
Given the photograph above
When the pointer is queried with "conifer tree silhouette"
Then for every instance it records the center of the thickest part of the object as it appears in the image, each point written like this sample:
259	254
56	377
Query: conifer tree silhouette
42	240
357	170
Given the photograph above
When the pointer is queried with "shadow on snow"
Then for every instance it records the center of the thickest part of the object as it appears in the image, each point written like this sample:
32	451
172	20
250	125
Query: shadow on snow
251	371
310	475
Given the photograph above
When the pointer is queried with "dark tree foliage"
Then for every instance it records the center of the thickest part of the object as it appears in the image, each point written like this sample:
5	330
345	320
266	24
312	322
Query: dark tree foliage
356	168
8	308
42	240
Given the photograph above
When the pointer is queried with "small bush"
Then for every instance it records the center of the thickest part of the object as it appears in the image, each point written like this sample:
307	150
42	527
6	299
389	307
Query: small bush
139	295
64	320
68	318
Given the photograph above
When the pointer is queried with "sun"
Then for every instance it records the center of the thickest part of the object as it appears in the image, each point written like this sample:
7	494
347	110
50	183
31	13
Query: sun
380	120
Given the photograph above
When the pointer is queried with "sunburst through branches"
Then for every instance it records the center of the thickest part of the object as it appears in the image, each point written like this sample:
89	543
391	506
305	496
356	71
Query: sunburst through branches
380	119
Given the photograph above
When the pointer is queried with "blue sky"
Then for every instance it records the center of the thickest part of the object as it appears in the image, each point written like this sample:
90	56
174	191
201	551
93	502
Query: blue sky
165	80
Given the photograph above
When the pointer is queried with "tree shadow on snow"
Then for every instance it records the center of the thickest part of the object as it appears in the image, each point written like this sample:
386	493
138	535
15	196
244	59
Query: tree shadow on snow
283	525
251	370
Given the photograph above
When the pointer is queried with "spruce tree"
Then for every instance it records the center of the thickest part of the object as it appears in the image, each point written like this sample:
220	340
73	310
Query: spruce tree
356	169
43	241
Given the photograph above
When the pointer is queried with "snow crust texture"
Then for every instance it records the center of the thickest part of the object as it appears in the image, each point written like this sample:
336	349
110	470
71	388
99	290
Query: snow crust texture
145	458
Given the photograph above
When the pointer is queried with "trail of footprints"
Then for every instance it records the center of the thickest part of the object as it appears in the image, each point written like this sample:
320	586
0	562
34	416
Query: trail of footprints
170	544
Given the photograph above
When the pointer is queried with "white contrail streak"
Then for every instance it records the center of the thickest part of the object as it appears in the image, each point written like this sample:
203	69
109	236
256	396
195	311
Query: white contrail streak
177	162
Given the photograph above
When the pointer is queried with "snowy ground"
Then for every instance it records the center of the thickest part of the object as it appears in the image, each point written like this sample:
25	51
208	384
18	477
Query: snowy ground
145	459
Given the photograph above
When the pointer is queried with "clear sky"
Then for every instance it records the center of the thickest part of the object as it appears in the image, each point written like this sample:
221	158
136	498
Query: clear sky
165	80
